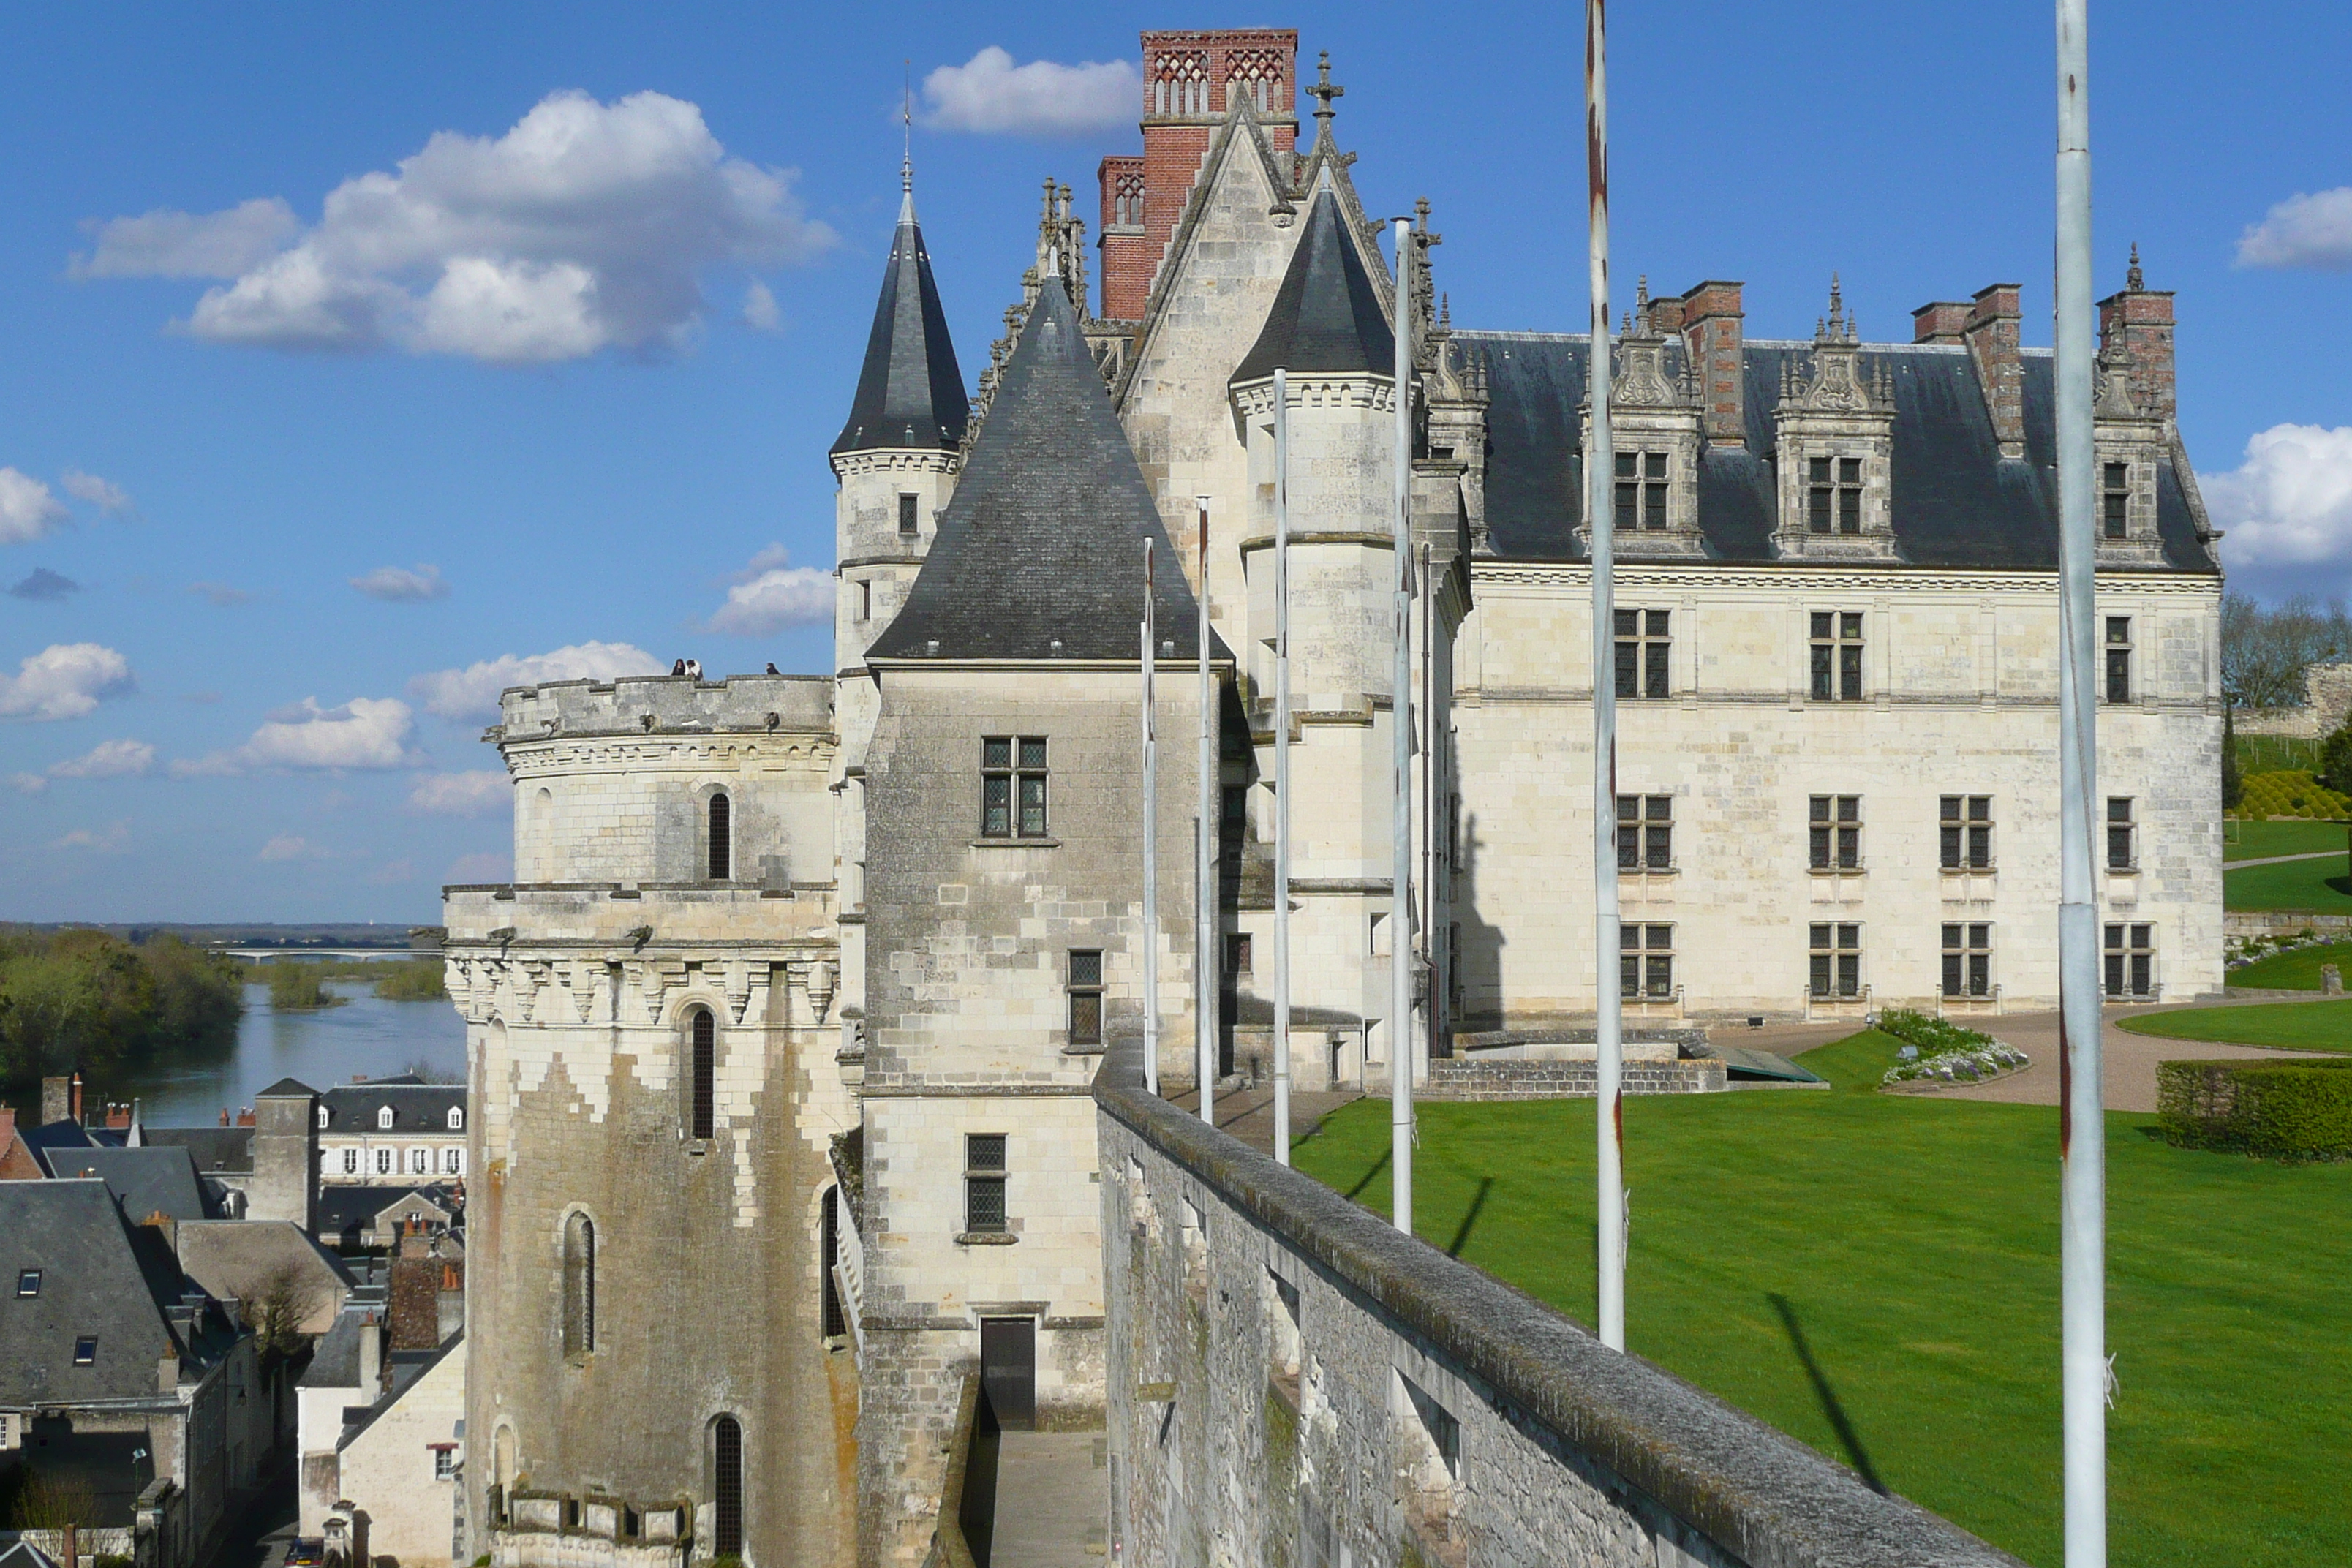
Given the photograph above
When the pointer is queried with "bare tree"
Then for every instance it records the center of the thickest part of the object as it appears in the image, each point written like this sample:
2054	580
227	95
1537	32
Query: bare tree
2264	653
274	1305
53	1502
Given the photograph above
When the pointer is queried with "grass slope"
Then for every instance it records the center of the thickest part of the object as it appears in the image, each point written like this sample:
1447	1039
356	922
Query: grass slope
2296	970
2320	887
1878	1275
2253	840
2292	1025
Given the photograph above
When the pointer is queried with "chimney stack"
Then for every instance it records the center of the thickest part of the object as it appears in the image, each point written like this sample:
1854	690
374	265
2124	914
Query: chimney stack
1991	333
244	1117
2138	324
57	1101
370	1358
1714	335
74	1088
1941	321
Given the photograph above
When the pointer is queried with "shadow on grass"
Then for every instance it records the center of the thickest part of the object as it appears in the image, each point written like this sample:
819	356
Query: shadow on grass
1831	1407
1470	1219
1378	1166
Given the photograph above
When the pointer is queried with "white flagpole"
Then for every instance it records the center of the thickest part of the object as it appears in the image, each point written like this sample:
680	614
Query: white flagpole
1609	1050
1282	766
2081	1120
1400	1030
1205	936
1151	838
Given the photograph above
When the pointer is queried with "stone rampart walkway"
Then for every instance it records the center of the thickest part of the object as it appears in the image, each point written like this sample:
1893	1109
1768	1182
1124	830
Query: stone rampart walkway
1053	1500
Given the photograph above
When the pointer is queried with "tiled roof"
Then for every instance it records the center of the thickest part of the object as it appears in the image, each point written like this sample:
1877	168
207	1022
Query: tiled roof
909	393
415	1107
1326	316
160	1180
96	1283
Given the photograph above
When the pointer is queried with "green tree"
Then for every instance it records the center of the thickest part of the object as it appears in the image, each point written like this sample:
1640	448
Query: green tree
2233	788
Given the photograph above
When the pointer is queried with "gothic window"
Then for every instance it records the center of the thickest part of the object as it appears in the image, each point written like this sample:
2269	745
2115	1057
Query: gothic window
2114	500
722	838
1646	960
1835	831
702	1089
1645	833
579	1286
2131	960
1644	652
1086	992
2123	847
1012	786
1833	495
984	1183
1837	655
2120	658
1836	954
1966	833
1641	490
908	525
1967	959
726	1487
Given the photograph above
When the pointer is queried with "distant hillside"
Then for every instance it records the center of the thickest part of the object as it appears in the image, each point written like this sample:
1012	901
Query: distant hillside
368	933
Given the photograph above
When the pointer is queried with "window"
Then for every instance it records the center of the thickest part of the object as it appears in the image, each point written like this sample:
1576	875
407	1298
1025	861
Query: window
579	1286
1965	839
322	1119
1644	648
456	1119
444	1462
1012	800
1646	960
1834	826
384	1117
1645	833
1233	819
383	1162
28	1282
1237	954
1968	960
727	1486
984	1183
722	838
1833	495
865	600
835	1319
2122	851
2114	499
2131	961
703	1091
420	1161
908	525
85	1349
1837	655
1836	960
350	1161
453	1161
2119	652
1641	490
1086	998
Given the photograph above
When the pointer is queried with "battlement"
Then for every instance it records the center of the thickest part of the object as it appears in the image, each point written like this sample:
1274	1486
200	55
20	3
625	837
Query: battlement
665	704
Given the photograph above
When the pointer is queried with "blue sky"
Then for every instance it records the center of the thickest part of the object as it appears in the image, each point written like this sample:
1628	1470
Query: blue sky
288	487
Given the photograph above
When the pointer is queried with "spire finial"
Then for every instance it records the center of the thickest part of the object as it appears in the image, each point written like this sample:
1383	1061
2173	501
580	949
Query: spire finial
1323	92
907	137
2132	280
1837	307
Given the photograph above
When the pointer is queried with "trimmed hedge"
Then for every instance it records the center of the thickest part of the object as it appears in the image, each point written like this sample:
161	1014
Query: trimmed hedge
2292	791
2296	1110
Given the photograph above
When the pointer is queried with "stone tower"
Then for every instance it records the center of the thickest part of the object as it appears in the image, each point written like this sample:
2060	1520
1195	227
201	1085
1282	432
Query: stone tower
285	1184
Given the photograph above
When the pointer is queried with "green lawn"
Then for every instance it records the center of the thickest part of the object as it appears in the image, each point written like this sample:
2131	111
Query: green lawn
2269	754
2253	840
2295	971
2320	887
2292	1025
1887	1268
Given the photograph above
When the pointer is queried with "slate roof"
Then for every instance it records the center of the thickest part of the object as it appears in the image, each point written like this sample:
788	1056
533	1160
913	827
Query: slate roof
1955	503
1326	316
415	1107
1044	538
287	1089
143	1181
909	393
100	1279
218	1150
343	1209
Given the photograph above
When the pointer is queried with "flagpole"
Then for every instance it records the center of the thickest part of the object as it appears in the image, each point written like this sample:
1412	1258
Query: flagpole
1151	838
1609	1130
1400	1032
1282	766
2081	1120
1204	914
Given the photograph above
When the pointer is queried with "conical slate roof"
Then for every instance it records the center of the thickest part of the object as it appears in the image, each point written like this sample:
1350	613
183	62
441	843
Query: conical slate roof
1044	540
910	392
1326	316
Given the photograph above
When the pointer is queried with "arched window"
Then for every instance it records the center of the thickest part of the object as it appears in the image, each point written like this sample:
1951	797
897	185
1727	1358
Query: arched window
384	1117
726	1487
703	1085
456	1119
579	1286
722	838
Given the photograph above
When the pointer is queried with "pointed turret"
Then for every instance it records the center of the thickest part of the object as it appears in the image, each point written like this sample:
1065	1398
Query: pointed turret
1327	317
910	394
1037	554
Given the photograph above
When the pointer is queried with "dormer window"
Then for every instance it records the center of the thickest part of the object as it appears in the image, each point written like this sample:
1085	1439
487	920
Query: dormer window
456	1119
86	1350
1834	492
384	1117
2114	500
28	1282
1641	490
322	1119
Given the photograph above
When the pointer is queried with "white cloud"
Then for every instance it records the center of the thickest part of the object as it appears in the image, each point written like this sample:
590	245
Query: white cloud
2290	502
772	594
484	866
396	584
988	93
586	225
473	692
167	244
65	680
475	794
2305	230
760	307
104	494
111	839
27	509
290	847
365	732
28	783
221	594
107	760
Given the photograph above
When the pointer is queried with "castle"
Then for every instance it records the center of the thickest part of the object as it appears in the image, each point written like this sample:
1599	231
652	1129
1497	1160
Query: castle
784	1038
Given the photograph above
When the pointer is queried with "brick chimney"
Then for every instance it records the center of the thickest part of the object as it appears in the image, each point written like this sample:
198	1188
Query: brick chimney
117	1117
74	1091
1991	333
1188	80
1714	332
1941	321
2138	324
244	1117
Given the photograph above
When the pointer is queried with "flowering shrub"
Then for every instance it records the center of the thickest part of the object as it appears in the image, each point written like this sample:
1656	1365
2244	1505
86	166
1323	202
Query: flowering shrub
1947	1051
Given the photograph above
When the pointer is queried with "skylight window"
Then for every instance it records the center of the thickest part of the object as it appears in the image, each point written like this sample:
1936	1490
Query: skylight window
28	1282
85	1349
